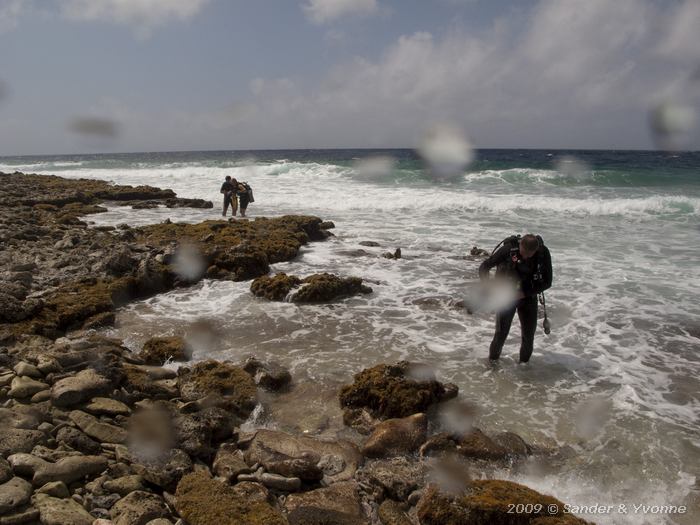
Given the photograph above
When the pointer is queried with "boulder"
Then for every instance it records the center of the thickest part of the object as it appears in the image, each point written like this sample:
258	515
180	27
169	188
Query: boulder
339	504
233	387
14	494
138	508
229	463
58	511
80	387
165	469
26	369
77	440
394	478
201	500
124	485
391	391
337	459
67	470
159	350
395	437
489	501
93	427
5	470
56	489
328	287
24	386
105	406
14	440
274	288
270	376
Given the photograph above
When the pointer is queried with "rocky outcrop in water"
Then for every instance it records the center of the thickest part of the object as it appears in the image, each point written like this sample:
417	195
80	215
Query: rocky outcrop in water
317	288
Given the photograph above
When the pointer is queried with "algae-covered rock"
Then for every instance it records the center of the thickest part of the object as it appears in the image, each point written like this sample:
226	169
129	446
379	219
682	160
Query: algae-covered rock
491	502
231	385
274	288
328	287
158	350
316	288
391	391
202	500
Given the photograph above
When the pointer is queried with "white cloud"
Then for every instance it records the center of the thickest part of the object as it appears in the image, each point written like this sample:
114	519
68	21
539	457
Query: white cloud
682	40
10	11
143	15
551	75
322	11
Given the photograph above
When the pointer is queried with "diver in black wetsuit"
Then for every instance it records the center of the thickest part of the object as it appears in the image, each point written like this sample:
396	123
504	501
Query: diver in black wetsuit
527	262
229	188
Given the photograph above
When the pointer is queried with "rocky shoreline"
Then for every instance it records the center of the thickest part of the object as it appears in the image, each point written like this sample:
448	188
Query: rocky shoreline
93	433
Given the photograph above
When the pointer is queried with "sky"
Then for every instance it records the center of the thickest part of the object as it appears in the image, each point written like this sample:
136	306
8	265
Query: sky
82	76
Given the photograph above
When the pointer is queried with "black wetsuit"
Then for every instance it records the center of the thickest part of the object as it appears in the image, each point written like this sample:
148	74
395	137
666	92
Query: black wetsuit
243	197
229	191
531	276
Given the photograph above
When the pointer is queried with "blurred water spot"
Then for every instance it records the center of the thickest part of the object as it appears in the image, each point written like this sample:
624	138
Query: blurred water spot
375	168
457	418
573	168
494	295
671	121
591	417
189	264
447	151
98	127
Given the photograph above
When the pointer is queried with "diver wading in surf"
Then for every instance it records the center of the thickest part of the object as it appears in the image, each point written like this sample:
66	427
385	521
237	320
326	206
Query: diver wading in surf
525	261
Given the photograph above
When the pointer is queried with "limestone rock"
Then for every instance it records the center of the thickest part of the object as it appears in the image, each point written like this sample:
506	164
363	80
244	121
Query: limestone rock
24	386
13	494
26	369
165	469
93	427
79	388
57	511
56	489
124	485
67	470
397	437
338	504
338	459
14	440
229	463
394	478
138	508
104	406
77	440
5	470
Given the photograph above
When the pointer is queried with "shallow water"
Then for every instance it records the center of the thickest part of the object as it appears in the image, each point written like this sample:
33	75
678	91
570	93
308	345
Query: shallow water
625	330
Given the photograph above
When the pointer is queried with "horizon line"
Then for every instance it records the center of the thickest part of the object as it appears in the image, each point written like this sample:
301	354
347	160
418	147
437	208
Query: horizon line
330	149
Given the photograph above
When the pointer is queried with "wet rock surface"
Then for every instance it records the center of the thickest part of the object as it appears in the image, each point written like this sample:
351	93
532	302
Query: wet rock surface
317	288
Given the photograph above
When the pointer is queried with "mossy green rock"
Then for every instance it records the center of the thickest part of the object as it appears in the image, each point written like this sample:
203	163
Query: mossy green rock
395	391
202	500
231	385
488	502
158	350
